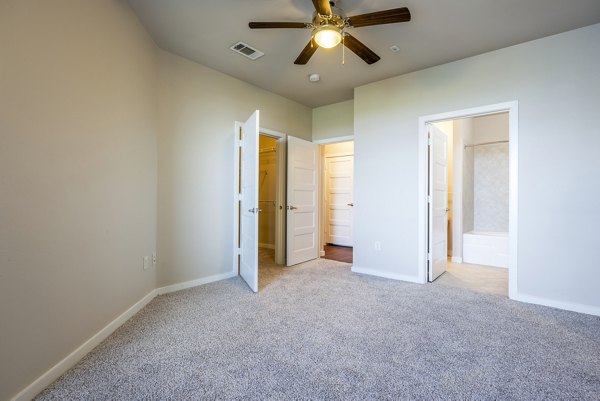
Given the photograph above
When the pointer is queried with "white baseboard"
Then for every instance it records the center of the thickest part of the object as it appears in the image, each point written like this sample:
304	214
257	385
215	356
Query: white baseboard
573	307
71	360
456	259
379	273
67	363
194	283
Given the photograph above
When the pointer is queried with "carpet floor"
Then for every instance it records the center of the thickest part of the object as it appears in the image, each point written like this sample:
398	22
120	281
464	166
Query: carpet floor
318	331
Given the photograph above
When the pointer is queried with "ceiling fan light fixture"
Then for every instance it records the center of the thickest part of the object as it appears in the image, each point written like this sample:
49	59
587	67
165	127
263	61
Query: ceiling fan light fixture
327	36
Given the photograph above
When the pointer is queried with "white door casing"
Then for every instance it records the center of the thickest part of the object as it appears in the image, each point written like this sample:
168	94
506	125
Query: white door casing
302	229
249	202
438	202
339	173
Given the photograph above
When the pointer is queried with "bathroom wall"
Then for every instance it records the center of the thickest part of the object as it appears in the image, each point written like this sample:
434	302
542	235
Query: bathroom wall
267	191
491	173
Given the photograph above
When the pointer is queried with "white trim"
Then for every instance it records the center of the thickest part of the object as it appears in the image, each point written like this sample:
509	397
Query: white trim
71	360
337	139
379	273
513	109
513	202
321	253
194	283
236	196
456	259
573	307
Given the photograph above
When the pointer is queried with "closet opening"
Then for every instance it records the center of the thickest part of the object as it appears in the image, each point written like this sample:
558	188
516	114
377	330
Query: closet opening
271	201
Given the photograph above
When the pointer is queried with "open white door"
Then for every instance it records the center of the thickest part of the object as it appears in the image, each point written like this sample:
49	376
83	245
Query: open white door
249	202
438	202
302	238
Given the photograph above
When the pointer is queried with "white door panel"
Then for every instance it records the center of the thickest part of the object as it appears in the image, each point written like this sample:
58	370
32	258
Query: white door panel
438	207
302	239
249	202
339	199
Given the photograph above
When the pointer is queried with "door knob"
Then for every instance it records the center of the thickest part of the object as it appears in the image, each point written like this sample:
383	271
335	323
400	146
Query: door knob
254	210
447	209
350	204
292	208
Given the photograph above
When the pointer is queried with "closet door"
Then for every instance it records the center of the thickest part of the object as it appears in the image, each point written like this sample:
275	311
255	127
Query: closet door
302	233
249	202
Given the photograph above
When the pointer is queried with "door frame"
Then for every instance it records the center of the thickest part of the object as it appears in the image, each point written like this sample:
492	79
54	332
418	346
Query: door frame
281	194
512	107
322	205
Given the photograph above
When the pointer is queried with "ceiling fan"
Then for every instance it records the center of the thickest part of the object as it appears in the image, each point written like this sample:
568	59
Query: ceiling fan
329	26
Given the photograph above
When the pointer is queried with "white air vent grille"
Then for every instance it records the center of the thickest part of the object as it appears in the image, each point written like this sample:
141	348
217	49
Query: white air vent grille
247	50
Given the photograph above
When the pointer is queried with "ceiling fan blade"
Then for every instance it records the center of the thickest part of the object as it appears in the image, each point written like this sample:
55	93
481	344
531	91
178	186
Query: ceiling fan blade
322	6
360	49
380	17
265	25
306	53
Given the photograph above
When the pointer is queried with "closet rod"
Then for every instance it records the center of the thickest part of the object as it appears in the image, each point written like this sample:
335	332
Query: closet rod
484	143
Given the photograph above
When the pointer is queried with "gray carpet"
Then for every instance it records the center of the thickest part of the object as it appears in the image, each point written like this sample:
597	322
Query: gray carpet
318	331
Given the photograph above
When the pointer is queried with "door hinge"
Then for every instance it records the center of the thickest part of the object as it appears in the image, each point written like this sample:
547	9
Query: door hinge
429	142
429	257
428	198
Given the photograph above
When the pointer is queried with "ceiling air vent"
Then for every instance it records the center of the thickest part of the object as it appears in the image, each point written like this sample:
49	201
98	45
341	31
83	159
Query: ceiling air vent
247	50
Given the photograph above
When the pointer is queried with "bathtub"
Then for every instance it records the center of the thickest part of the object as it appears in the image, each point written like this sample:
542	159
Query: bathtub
486	248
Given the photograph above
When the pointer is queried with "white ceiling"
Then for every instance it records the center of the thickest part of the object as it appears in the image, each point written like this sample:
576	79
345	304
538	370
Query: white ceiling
440	31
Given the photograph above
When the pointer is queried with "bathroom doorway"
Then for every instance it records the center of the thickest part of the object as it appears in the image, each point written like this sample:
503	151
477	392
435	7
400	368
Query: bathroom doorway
470	198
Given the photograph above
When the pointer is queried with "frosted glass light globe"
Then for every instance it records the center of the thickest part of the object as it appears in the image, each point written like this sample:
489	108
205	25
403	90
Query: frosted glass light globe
328	37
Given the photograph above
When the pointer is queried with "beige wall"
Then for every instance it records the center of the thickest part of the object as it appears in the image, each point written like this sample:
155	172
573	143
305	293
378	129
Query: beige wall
77	176
198	107
333	121
555	80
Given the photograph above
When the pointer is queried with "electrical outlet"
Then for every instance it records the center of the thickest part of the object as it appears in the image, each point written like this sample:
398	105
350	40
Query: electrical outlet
377	245
154	258
146	262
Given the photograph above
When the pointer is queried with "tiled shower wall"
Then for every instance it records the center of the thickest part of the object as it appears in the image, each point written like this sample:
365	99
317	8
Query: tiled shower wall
491	183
